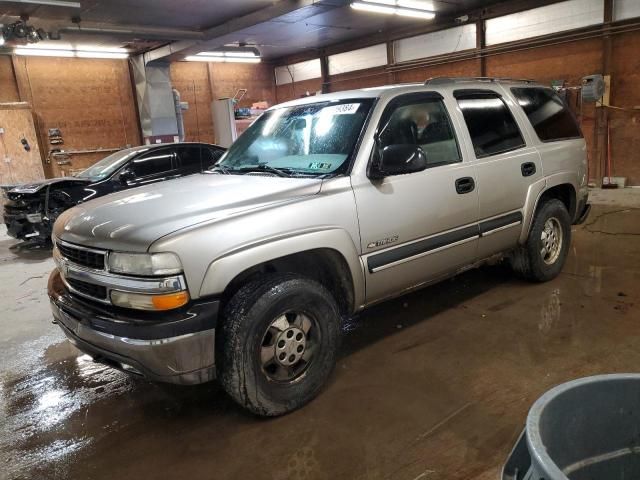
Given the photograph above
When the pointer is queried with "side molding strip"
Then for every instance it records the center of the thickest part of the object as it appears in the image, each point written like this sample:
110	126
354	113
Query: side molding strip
420	248
427	246
490	226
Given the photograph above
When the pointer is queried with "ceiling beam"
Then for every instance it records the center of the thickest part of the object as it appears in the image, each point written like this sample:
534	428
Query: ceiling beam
131	31
226	32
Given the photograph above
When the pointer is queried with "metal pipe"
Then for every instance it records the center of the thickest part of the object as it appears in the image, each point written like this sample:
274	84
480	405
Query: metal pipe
79	152
133	31
179	115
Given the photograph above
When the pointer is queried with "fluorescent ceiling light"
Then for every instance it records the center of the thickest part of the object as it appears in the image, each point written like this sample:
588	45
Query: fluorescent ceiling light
223	59
405	12
212	54
229	53
58	52
43	52
373	8
404	8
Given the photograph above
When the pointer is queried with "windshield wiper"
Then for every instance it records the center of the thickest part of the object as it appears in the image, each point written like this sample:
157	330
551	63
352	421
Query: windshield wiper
263	167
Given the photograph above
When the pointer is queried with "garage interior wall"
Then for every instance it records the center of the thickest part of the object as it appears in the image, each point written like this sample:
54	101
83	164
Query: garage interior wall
92	101
200	83
569	61
89	100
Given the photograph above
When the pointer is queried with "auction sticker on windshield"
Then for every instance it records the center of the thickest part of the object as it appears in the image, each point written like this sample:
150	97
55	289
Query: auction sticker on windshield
343	109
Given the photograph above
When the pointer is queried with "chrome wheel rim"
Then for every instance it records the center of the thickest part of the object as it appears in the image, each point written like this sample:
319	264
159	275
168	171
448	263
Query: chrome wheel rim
288	346
551	241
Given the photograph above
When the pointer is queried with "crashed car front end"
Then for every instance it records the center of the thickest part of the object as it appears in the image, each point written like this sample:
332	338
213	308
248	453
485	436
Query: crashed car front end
29	214
23	216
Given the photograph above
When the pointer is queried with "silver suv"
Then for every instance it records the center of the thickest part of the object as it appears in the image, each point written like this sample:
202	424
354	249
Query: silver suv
323	207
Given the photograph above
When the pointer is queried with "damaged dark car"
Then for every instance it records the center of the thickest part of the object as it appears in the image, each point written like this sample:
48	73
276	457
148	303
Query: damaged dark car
31	210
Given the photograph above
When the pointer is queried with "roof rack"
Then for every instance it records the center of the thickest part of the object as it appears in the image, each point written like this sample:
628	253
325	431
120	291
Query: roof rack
442	80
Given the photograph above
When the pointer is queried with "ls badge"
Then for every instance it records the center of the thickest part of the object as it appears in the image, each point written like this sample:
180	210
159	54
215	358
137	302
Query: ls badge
384	241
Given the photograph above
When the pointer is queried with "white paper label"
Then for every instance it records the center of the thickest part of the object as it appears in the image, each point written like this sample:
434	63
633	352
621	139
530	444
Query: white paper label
343	109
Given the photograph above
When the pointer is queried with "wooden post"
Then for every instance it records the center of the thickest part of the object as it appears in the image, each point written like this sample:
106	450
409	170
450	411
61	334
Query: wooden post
601	125
391	60
324	73
480	44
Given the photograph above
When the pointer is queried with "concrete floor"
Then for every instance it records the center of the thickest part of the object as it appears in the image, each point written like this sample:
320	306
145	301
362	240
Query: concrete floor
435	385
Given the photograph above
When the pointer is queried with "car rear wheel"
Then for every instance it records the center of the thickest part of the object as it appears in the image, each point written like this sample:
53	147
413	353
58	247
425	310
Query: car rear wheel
542	257
277	343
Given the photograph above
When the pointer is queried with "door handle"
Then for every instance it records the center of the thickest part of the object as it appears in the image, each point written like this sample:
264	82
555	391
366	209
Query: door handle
465	185
528	169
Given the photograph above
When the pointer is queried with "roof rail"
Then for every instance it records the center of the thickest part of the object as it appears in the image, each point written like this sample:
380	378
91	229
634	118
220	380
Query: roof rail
442	80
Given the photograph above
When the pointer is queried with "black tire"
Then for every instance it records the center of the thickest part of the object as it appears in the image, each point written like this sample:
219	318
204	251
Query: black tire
246	321
528	261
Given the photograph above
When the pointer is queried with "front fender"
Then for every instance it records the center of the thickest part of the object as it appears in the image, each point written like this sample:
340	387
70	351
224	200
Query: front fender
224	269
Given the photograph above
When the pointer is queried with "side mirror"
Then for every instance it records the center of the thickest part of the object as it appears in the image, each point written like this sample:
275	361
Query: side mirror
126	177
398	160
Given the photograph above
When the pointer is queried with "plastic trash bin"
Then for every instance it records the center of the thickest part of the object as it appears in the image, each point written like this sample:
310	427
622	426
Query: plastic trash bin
586	429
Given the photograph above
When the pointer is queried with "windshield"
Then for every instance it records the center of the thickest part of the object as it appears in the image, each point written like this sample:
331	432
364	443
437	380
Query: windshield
313	139
108	165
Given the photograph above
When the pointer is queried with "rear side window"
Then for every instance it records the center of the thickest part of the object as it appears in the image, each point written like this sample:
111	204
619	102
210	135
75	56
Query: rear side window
492	128
547	113
153	163
190	158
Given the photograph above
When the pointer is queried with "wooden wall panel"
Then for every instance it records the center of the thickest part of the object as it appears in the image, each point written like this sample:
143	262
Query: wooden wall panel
568	61
625	93
8	87
191	79
372	77
227	78
90	100
16	164
291	91
466	68
200	83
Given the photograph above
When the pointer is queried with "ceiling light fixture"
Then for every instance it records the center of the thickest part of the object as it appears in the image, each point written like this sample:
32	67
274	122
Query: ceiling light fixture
222	59
231	55
403	8
80	53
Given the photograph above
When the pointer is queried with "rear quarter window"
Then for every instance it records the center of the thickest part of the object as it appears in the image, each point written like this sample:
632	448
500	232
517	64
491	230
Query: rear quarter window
492	128
549	116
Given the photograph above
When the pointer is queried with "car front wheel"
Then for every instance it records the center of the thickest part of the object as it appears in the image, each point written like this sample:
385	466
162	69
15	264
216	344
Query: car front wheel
277	343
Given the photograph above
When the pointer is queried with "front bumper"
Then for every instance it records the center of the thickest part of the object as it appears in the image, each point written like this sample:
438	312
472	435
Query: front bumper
175	346
25	221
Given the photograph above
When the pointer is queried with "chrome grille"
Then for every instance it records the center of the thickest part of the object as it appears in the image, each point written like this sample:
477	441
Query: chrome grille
95	291
82	256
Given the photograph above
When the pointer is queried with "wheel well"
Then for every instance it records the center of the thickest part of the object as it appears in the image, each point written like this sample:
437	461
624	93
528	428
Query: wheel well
324	265
563	192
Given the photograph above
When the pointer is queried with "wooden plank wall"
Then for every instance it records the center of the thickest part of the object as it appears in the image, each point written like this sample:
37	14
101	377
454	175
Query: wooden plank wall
18	165
90	100
200	83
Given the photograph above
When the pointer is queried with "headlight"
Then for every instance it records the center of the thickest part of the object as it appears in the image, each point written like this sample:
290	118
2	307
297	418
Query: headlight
146	264
141	301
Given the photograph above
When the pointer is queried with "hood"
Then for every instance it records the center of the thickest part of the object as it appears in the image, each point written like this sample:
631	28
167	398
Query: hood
35	187
134	219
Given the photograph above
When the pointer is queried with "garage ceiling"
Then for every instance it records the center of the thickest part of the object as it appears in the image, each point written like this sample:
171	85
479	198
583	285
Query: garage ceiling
176	29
